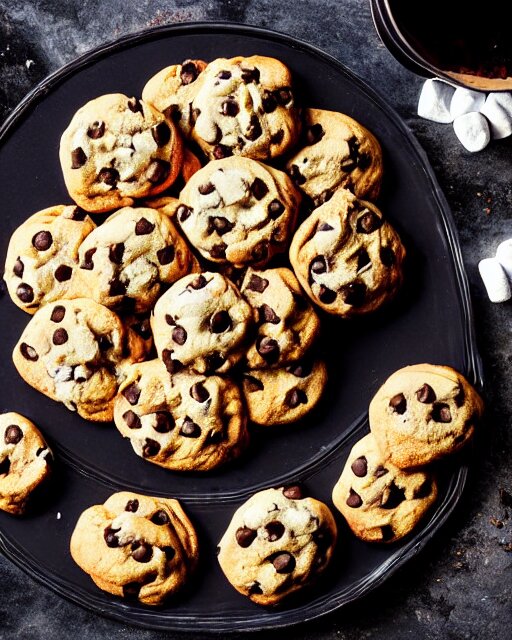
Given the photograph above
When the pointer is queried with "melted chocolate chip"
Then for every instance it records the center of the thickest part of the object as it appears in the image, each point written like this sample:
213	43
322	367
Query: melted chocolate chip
141	551
158	171
325	295
220	322
387	256
277	138
284	562
275	530
172	366
179	335
78	214
109	535
116	252
221	151
283	96
132	393
252	384
398	403
268	348
294	397
88	263
206	188
117	288
296	175
25	293
183	212
131	590
363	259
441	413
260	251
160	517
267	314
132	419
166	255
368	223
13	434
218	251
245	536
151	448
144	227
354	500
190	429
109	176
132	505
251	75
300	369
58	313
189	72
255	589
135	105
96	130
170	320
360	467
380	471
60	336
254	131
459	397
229	107
387	533
28	352
5	466
78	158
395	497
214	362
164	422
314	133
354	294
257	283
259	189
294	492
426	394
219	224
42	240
318	265
63	273
324	226
269	102
161	133
224	75
199	392
18	268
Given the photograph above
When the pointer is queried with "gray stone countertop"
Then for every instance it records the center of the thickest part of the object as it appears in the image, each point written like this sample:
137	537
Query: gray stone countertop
461	584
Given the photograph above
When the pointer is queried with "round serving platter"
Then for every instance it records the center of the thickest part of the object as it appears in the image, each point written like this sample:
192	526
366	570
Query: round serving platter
430	321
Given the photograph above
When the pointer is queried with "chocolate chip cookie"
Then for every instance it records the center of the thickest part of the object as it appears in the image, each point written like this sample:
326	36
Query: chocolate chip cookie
424	412
380	502
42	259
347	257
184	422
116	149
126	260
135	546
25	461
201	322
280	396
74	352
287	324
338	152
239	211
277	542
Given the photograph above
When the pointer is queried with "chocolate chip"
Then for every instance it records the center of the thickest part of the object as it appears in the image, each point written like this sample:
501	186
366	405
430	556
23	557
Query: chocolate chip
362	259
324	226
441	413
164	422
277	138
198	283
25	292
63	273
117	288
18	268
251	75
294	397
88	263
172	366
254	131
296	175
283	96
132	505
398	403
255	589
214	362
257	283
170	320
219	224
245	536
109	535
275	530
221	151
13	434
294	492
193	113
160	517
229	107
132	393
387	256
132	419
268	348
354	500
300	369
218	251
109	176
151	448
318	265
459	397
42	240
131	590
172	112
380	471
161	133
170	552
395	497
60	336
220	322
269	102
183	212
158	171
190	429
323	539
141	551
143	227
78	158
96	130
275	209
58	313
252	384
116	252
314	133
260	251
179	335
166	255
224	75
205	189
78	214
368	222
189	72
28	352
360	467
325	295
267	314
5	465
199	392
387	533
259	189
424	490
284	562
426	394
354	294
135	105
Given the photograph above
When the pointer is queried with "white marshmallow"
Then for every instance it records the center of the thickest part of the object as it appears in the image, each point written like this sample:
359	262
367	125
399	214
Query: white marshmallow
504	256
498	110
466	101
434	102
495	280
472	130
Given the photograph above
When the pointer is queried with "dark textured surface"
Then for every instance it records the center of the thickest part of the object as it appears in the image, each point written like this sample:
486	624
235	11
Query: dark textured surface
461	585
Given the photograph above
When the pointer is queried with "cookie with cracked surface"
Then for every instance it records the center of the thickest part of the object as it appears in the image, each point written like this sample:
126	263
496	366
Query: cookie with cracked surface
422	413
117	149
239	211
136	546
338	152
201	322
42	258
25	461
74	352
347	257
277	543
380	502
280	396
287	324
184	422
126	260
238	106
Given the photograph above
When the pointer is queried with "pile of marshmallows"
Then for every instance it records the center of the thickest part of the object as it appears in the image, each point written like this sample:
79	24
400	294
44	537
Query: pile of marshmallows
477	117
497	273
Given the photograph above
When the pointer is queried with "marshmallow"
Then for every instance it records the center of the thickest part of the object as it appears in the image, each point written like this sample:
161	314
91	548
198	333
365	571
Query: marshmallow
466	101
498	110
495	280
472	130
504	256
435	99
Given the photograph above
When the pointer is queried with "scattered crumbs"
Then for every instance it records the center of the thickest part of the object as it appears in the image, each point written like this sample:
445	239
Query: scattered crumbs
496	523
59	515
459	565
505	498
487	211
479	194
506	546
29	63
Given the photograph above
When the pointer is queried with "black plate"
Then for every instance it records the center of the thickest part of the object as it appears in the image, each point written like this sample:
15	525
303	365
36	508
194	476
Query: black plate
430	322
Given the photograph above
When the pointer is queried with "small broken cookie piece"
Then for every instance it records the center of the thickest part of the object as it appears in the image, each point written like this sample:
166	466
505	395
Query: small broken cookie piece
239	211
338	152
277	543
286	321
183	422
422	413
42	258
25	461
138	547
380	502
125	262
347	257
117	149
74	352
281	396
201	322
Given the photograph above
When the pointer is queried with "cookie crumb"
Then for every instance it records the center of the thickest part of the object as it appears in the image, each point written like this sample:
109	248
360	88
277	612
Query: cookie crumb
496	523
29	63
59	515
